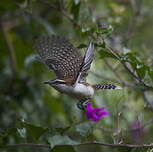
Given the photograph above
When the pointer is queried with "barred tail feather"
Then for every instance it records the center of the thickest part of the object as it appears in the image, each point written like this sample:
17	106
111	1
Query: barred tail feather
105	86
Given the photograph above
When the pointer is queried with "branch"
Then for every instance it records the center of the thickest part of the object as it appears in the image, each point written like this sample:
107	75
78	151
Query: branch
111	130
82	144
27	145
114	70
134	77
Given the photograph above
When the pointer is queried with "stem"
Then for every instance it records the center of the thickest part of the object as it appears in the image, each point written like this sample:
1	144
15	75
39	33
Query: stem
82	144
134	77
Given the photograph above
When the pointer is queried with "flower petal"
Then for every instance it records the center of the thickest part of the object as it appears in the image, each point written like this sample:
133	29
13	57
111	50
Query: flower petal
95	114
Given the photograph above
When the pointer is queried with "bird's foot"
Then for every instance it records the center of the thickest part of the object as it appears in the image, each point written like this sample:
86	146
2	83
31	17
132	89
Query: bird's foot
82	104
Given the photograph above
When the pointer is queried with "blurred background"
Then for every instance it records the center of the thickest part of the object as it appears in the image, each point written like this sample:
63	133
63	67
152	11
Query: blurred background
31	112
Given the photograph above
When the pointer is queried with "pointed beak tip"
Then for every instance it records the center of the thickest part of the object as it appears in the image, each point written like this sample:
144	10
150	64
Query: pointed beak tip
46	82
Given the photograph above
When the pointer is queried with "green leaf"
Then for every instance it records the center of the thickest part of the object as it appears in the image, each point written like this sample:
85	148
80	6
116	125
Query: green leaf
151	74
131	58
63	149
105	31
8	132
98	31
82	46
34	131
84	128
63	130
137	65
104	53
142	71
61	140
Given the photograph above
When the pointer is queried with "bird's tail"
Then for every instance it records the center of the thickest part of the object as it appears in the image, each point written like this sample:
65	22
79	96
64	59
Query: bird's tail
105	86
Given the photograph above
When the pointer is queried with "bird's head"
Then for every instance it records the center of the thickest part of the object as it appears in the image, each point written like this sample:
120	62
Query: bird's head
57	83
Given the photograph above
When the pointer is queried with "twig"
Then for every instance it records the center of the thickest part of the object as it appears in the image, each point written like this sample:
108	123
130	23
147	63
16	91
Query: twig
134	77
113	69
82	144
118	127
111	130
27	145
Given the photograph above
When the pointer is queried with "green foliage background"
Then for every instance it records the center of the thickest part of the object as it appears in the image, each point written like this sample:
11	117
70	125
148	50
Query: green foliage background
31	112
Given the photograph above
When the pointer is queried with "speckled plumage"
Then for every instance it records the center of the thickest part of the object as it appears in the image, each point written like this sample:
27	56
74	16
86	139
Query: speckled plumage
61	56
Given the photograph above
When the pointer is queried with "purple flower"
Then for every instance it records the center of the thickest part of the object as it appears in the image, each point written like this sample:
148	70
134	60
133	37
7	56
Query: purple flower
95	114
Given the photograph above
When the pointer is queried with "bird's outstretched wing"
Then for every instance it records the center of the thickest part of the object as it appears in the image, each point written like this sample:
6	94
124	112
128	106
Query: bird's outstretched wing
60	56
88	58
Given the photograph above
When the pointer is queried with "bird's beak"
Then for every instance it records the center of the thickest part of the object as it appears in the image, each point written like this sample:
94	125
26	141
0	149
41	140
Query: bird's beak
47	82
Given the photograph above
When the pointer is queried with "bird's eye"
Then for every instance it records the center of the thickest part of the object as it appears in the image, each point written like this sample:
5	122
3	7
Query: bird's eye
61	82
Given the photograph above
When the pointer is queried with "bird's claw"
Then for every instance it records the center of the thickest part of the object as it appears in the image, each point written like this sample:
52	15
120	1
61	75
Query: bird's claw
82	104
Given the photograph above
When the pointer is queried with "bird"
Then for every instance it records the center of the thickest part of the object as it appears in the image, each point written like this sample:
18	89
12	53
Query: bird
70	67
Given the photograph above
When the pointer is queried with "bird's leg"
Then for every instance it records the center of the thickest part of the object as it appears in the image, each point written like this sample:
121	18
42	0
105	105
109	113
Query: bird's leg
82	103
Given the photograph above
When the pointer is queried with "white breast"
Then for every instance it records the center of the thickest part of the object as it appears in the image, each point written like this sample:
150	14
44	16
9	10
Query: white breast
83	90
